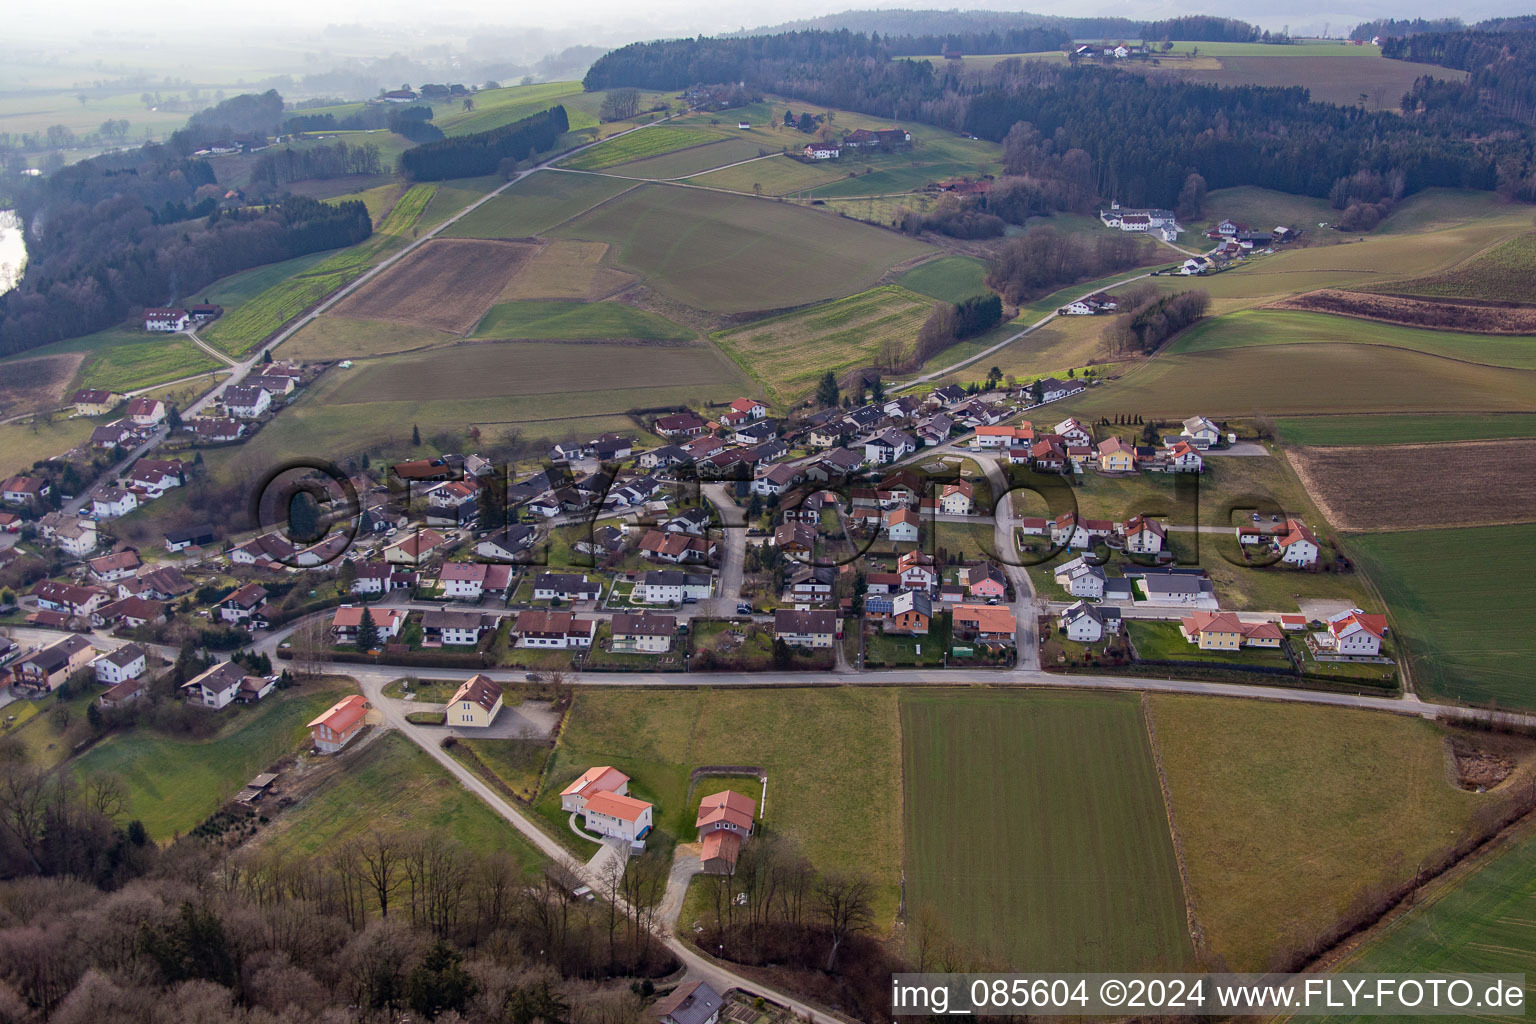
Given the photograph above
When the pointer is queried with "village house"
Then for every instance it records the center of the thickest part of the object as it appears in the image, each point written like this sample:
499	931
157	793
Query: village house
119	565
218	686
642	633
464	581
985	581
335	728
902	526
475	704
114	503
130	613
44	670
911	612
777	480
245	402
168	320
348	618
673	586
917	571
1200	432
217	429
145	412
888	446
1002	435
677	548
805	628
724	821
95	402
67	597
24	490
553	630
822	150
984	622
416	548
123	693
682	424
126	662
616	816
1298	546
1053	390
275	386
454	629
566	586
692	1002
1116	456
602	779
1175	590
1081	578
811	583
1073	432
743	410
1184	458
241	605
795	538
1352	633
956	499
1225	631
1069	531
381	578
508	543
1142	535
1088	624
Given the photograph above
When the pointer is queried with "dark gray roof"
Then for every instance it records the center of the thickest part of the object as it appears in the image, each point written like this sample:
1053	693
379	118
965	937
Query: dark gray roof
693	1002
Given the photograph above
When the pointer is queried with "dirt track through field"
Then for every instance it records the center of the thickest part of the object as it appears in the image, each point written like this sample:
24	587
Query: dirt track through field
1379	488
448	284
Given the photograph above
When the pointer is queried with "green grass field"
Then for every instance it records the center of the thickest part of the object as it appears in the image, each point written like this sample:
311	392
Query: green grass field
693	160
804	738
127	358
779	176
537	203
26	441
935	154
1251	327
1338	378
1262	209
1438	585
788	354
728	254
559	321
393	786
342	337
948	279
534	389
1286	813
1327	430
639	145
173	784
1501	274
1477	923
1036	829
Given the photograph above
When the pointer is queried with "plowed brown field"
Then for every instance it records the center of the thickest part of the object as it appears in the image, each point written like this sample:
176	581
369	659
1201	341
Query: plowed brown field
1421	486
447	284
1439	315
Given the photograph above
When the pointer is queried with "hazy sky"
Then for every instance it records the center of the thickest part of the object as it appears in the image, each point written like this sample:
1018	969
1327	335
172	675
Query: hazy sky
605	21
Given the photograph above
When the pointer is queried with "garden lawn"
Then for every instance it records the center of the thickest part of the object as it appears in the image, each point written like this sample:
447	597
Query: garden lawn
391	785
1036	831
1287	813
173	783
803	738
1441	588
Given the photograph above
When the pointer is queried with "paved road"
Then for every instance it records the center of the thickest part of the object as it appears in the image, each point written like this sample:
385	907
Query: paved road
984	353
393	713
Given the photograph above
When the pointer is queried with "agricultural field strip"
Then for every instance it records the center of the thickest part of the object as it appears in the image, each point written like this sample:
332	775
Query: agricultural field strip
1480	483
294	326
